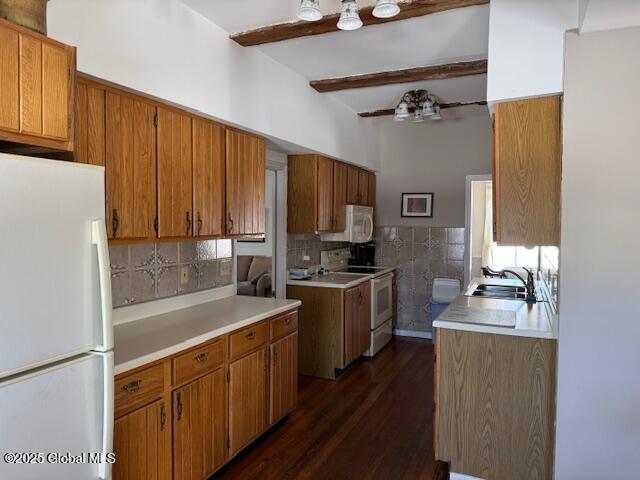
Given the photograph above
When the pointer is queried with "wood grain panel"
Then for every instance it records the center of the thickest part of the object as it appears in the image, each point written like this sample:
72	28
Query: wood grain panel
282	325
197	362
339	197
136	389
142	444
320	329
247	399
175	174
248	339
352	185
496	404
208	178
325	194
30	85
364	320
90	134
56	80
283	377
9	80
363	187
372	190
302	194
528	171
199	421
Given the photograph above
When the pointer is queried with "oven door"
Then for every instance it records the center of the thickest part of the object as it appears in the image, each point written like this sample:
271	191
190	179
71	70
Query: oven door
381	300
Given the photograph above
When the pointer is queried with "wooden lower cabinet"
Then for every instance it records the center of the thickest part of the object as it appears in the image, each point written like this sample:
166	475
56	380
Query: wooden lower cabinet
357	319
248	382
284	377
202	407
199	427
142	444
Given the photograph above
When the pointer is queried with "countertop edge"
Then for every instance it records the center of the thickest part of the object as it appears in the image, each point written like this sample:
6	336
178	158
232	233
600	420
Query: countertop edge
319	284
512	332
195	341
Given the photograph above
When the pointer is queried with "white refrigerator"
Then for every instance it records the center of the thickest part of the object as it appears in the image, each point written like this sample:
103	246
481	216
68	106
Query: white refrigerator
56	333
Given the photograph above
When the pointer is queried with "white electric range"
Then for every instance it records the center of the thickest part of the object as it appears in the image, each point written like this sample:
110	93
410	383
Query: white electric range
381	285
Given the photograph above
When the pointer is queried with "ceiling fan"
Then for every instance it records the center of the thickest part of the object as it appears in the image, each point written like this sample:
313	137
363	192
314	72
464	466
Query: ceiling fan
349	17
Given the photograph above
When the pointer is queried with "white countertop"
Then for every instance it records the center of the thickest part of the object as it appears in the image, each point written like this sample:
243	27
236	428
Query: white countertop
332	280
534	320
149	339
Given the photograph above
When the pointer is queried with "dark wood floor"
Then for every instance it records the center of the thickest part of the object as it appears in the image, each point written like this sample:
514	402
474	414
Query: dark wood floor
375	422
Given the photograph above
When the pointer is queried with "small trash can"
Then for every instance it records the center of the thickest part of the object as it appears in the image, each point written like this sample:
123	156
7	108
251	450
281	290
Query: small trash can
443	292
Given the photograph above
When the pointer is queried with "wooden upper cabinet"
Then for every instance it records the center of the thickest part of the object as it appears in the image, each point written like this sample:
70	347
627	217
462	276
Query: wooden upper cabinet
199	427
372	190
90	135
527	172
302	194
245	179
142	444
37	89
208	178
247	399
353	177
284	377
339	197
363	187
325	194
175	174
357	322
130	164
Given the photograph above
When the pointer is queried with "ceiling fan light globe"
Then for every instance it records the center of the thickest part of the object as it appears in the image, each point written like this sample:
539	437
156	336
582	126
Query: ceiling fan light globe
386	9
349	17
309	10
427	109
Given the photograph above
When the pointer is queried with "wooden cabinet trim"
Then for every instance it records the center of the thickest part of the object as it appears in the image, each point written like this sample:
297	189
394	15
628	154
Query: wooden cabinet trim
248	339
136	389
197	362
282	325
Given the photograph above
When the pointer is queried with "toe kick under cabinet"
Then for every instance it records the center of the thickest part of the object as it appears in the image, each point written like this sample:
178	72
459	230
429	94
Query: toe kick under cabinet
185	416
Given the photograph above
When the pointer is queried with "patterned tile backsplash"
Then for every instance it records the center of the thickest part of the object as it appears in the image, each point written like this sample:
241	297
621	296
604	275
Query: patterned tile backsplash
301	246
420	255
144	272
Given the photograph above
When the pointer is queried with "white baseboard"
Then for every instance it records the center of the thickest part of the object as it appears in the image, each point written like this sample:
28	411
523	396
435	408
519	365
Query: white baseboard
460	476
412	333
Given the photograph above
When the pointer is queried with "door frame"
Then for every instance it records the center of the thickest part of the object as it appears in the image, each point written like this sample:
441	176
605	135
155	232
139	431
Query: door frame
277	161
468	253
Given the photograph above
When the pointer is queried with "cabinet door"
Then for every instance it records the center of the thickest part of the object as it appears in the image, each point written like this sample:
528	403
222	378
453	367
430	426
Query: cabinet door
284	377
352	337
90	136
142	444
56	83
130	167
325	195
247	399
175	174
245	174
9	79
30	85
363	187
199	420
339	197
527	169
353	175
372	190
364	319
208	178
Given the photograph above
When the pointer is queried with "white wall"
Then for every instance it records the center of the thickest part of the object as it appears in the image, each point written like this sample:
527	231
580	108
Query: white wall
598	412
431	157
526	47
165	49
599	15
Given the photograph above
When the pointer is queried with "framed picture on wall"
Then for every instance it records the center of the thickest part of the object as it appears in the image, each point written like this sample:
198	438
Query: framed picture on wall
417	205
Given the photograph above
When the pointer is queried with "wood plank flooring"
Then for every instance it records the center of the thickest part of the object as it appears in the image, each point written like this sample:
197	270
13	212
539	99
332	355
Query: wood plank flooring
375	422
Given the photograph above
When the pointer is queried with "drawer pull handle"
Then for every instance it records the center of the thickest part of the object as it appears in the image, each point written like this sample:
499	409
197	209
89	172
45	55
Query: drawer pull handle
180	407
286	321
132	387
202	357
251	336
163	417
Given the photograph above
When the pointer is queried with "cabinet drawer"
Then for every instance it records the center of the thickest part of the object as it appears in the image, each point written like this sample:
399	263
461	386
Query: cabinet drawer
248	339
137	389
284	324
197	362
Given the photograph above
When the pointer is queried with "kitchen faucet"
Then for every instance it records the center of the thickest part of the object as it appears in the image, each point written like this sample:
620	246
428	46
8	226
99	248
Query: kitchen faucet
529	283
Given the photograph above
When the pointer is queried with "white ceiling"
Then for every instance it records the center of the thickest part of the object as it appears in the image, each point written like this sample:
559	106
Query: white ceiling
455	35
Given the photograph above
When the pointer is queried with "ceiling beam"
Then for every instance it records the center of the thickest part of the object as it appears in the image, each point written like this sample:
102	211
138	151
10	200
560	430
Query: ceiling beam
328	23
407	75
390	111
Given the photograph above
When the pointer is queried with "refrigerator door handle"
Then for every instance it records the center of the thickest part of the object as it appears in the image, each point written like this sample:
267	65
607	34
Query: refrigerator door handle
99	238
104	469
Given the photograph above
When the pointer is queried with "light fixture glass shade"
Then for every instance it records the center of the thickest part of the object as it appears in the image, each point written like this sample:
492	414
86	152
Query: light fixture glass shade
402	110
427	109
436	113
386	9
417	116
309	10
349	17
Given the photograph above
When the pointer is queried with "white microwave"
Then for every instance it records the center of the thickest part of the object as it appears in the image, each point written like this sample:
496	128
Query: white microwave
359	226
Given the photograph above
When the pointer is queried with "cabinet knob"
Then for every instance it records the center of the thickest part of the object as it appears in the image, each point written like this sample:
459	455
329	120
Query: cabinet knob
115	221
202	357
251	336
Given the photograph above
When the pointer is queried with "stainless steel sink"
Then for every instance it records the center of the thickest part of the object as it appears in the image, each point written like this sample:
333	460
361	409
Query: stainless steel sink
501	288
499	294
